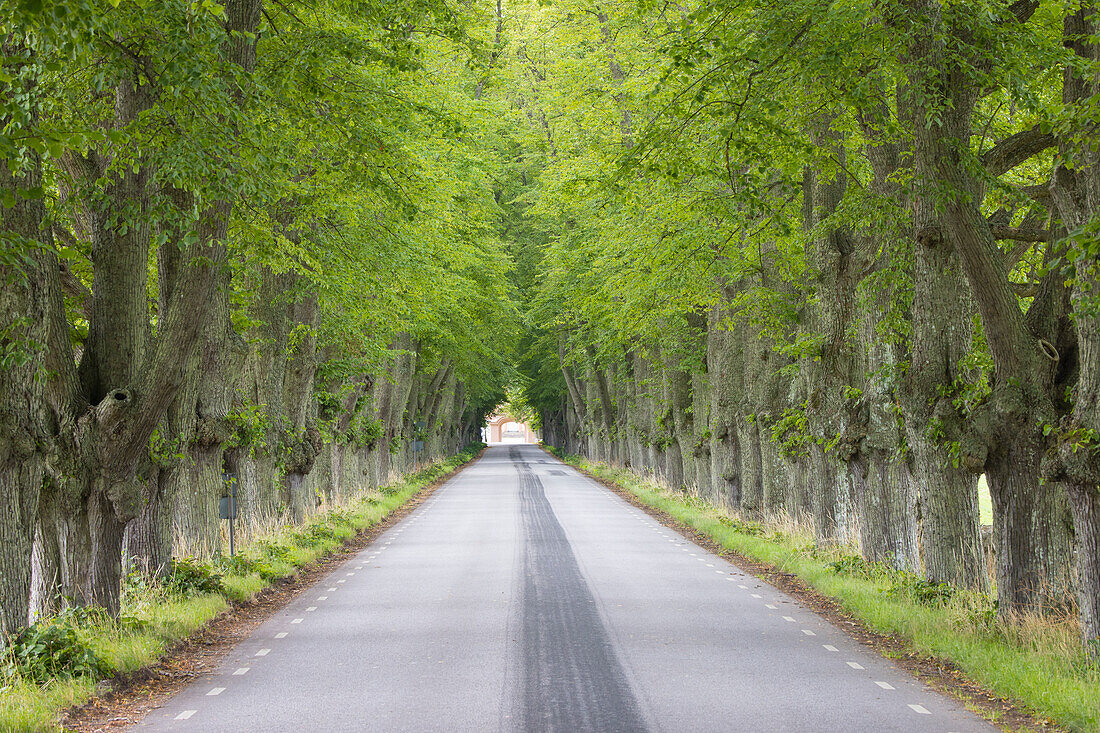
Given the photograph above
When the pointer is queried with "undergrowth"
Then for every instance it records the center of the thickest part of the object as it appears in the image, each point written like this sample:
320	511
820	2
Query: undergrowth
55	663
1036	661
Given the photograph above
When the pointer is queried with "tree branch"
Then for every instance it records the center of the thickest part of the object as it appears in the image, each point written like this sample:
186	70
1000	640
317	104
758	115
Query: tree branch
1019	234
1015	149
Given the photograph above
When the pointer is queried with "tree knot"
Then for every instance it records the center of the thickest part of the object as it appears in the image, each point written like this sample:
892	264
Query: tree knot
929	236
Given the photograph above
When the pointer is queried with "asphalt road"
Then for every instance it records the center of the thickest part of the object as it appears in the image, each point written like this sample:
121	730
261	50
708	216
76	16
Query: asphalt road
523	597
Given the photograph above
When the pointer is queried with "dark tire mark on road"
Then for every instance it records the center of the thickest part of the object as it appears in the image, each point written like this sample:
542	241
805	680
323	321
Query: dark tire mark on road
572	678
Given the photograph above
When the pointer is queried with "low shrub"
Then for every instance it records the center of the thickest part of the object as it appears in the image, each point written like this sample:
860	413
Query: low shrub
919	590
857	566
189	577
53	648
743	526
313	535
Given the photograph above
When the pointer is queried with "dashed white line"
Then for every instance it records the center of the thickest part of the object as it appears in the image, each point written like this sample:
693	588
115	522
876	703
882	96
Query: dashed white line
830	648
263	652
710	565
280	635
241	670
322	598
350	574
215	691
743	586
186	714
297	621
807	632
755	595
884	685
788	618
768	605
855	665
720	572
920	709
330	590
342	580
311	608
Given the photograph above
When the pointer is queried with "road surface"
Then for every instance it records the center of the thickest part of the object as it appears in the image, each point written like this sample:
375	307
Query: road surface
524	597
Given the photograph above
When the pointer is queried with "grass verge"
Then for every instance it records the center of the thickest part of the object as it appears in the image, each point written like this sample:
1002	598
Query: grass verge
58	662
1037	663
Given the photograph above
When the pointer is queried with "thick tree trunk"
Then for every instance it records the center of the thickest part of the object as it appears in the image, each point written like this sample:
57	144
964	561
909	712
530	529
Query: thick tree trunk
147	539
1031	531
105	529
1076	192
726	369
46	586
751	468
941	332
888	530
20	480
834	369
30	326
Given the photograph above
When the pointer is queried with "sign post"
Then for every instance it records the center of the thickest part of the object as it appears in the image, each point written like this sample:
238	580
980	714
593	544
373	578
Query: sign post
227	507
418	440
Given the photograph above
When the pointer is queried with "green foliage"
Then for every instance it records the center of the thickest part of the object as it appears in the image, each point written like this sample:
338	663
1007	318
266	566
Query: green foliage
753	529
855	565
52	648
791	431
919	590
188	576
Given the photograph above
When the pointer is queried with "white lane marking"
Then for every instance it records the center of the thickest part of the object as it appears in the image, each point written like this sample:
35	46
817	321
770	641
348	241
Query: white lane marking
186	714
342	580
755	595
830	648
311	608
350	574
263	652
693	554
807	632
280	635
330	590
855	665
920	709
788	618
240	671
720	572
358	567
710	565
297	621
884	685
768	605
322	598
743	586
216	691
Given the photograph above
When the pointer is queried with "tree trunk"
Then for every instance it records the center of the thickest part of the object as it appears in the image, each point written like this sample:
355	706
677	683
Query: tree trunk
104	580
941	331
30	324
1076	192
726	369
